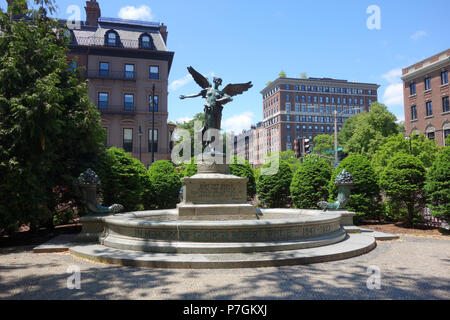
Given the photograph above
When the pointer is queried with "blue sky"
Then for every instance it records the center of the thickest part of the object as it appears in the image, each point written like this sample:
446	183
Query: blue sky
247	40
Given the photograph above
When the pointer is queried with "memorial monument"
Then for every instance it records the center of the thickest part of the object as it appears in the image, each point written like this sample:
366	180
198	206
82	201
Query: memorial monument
214	226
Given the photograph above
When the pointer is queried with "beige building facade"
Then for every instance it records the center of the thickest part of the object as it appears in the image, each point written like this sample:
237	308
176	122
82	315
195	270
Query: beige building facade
127	66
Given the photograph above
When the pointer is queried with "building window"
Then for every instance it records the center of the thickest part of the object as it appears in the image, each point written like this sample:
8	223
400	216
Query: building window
430	135
154	72
128	102
156	100
155	141
288	107
429	108
288	127
288	97
103	98
444	77
146	42
111	38
445	104
427	83
103	69
413	113
412	89
446	133
129	71
128	140
288	118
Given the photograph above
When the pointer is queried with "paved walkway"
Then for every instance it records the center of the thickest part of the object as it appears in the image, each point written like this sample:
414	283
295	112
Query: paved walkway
411	268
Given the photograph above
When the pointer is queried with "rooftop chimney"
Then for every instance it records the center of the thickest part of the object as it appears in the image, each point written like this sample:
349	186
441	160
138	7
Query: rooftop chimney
92	13
163	31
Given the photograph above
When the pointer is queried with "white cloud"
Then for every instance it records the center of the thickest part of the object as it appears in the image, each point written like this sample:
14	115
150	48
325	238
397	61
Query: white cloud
239	122
393	76
419	34
177	84
131	12
393	95
184	119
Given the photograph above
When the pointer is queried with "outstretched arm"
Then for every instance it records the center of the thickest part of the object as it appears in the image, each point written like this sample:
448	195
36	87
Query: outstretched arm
191	96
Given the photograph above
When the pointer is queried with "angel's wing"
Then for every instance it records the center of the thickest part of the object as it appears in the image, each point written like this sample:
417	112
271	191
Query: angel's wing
199	78
235	89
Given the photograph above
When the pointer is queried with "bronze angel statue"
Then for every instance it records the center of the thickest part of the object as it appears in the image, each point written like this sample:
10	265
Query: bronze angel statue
215	98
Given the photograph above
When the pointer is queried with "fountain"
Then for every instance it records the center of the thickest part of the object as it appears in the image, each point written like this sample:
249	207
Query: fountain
215	227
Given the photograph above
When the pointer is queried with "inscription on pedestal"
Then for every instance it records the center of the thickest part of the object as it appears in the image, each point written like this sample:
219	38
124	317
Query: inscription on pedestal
222	190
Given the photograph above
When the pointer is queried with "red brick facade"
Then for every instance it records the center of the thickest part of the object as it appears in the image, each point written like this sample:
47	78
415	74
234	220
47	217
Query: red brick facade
433	71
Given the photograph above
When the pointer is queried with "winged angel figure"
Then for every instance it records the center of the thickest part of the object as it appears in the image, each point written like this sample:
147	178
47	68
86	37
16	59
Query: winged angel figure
215	98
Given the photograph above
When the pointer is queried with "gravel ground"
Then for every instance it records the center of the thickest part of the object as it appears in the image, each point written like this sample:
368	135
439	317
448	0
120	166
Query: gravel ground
411	268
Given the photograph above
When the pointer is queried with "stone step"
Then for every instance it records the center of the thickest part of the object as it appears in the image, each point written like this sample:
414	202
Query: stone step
123	243
353	245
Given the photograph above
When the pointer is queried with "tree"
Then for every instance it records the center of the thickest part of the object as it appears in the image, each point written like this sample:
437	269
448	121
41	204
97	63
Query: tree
244	170
282	74
424	149
49	130
273	190
368	130
310	182
437	185
323	143
447	141
166	184
291	159
365	194
403	181
303	75
124	180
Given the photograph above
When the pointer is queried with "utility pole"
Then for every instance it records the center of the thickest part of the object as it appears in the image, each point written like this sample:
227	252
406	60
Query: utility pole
335	139
153	124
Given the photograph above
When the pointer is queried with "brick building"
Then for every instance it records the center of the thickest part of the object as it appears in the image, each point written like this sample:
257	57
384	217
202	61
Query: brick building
303	108
426	96
123	60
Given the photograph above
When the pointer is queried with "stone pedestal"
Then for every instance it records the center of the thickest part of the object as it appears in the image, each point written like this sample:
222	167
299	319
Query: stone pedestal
214	192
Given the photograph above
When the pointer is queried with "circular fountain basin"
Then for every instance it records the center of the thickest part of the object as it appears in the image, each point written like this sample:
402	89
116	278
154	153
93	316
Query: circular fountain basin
270	230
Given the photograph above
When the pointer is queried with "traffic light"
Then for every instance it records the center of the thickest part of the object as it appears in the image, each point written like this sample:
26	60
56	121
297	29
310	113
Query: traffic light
342	156
306	146
297	150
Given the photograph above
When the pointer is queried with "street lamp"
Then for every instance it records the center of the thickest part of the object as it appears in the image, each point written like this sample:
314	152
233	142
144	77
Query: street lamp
140	143
410	146
153	123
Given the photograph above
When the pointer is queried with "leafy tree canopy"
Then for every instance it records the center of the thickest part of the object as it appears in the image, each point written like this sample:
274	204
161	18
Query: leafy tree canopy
424	149
49	130
367	131
310	182
437	186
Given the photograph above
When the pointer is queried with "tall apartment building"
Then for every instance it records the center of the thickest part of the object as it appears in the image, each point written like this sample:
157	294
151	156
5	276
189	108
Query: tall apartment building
303	108
426	94
124	60
249	145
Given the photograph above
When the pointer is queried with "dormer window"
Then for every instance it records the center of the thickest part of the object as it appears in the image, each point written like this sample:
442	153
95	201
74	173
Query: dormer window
146	41
112	38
